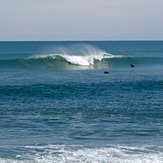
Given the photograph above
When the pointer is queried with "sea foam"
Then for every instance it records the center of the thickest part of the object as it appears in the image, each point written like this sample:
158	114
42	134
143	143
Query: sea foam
65	154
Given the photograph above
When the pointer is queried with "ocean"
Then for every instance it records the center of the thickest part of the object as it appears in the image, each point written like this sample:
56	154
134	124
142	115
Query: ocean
58	106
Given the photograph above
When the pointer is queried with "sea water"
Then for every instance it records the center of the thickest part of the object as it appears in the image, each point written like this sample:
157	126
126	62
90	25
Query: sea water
57	105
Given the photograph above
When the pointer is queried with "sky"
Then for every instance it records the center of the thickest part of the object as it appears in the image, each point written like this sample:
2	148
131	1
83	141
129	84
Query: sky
60	20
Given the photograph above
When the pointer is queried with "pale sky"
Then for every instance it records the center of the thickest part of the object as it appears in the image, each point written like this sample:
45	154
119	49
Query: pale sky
81	20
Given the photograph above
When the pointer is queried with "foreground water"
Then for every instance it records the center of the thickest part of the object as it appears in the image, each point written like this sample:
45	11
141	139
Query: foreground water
57	105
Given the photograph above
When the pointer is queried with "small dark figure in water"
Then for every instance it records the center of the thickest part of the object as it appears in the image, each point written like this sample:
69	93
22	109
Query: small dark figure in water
132	65
106	72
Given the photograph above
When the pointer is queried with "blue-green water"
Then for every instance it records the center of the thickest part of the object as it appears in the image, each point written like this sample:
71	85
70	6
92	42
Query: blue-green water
57	105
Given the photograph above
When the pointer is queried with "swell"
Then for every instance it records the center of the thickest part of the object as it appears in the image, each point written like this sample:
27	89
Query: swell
137	61
74	61
34	62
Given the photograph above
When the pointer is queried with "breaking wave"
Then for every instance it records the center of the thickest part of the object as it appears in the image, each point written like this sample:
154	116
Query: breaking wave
58	61
65	61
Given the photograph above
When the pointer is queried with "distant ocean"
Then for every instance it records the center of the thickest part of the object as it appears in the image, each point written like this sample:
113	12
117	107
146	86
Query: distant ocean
58	106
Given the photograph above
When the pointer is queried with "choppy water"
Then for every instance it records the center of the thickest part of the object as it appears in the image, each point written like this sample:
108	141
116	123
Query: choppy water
57	105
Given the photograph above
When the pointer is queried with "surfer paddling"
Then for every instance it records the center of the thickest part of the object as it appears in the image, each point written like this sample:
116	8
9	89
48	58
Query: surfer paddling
106	72
132	65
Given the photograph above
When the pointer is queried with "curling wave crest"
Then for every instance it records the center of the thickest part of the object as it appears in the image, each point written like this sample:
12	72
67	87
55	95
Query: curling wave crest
66	61
81	60
59	61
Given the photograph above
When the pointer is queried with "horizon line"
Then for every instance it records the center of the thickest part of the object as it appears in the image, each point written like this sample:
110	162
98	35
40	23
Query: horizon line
77	40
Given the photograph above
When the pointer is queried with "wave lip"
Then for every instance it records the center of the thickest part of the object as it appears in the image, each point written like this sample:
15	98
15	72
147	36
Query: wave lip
61	61
66	61
81	60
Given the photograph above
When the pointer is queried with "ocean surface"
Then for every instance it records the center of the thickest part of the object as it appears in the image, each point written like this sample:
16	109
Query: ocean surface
58	106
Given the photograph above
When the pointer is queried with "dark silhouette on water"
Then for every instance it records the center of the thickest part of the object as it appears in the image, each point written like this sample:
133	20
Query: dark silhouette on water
106	72
132	65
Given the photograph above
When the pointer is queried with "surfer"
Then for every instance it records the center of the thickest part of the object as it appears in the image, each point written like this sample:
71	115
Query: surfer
132	65
106	72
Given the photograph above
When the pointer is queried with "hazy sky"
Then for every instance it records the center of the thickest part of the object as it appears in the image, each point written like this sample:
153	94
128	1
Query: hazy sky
81	20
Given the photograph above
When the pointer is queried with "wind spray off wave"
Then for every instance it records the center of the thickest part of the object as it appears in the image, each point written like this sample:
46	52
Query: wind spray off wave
63	58
82	55
68	61
78	57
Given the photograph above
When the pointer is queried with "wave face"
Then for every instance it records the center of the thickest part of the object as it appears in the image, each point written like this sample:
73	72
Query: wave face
65	61
58	61
76	57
